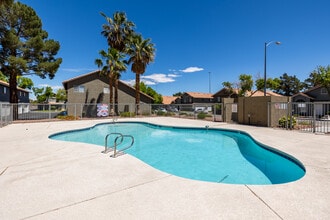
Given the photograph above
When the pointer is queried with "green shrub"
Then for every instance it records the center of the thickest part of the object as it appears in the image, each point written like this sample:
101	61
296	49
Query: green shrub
127	114
67	117
161	113
282	121
201	115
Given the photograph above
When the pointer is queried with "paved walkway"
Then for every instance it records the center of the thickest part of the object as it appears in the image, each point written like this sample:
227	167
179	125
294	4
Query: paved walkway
47	179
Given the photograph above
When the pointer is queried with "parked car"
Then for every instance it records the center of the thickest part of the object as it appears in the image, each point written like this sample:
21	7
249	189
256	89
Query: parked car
161	110
62	113
325	118
201	110
172	109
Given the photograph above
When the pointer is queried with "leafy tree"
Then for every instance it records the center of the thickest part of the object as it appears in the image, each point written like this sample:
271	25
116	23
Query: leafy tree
314	79
179	94
229	88
272	84
319	76
260	84
227	85
3	77
24	82
246	83
24	47
6	2
38	93
61	95
289	85
158	99
141	53
43	94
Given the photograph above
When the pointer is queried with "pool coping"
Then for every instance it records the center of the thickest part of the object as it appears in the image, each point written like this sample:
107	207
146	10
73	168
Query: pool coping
47	180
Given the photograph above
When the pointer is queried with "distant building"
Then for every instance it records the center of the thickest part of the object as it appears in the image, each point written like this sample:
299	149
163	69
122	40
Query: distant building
196	97
23	94
225	93
315	94
92	89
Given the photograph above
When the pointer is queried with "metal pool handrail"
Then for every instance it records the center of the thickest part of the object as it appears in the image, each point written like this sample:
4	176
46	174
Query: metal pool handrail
119	137
125	148
108	149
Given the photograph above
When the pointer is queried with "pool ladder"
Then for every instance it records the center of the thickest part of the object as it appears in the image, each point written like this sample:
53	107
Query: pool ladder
119	138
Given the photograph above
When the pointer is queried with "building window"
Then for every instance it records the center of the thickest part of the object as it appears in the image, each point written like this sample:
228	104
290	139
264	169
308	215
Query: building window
106	90
324	91
4	90
79	89
281	105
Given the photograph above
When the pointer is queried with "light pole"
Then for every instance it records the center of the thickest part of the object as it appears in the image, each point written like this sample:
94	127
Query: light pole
265	61
209	82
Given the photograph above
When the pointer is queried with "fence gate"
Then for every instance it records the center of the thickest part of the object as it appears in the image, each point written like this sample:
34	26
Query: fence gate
304	116
6	116
312	116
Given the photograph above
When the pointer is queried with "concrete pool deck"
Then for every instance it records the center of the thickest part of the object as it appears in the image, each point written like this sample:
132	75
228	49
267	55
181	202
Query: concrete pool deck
47	179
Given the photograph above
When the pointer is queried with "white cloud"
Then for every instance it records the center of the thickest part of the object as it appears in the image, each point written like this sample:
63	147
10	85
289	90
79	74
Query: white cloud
130	82
173	75
148	82
159	78
192	69
154	79
57	87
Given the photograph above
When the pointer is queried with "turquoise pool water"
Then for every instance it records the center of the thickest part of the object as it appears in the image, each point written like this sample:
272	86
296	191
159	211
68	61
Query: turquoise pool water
213	155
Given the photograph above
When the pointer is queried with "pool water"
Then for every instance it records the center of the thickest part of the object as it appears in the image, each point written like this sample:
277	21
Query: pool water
213	155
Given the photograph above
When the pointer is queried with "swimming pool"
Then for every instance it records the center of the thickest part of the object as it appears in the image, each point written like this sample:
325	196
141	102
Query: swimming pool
213	155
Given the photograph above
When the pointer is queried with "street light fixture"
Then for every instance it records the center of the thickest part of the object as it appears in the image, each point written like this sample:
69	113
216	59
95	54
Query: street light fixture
265	74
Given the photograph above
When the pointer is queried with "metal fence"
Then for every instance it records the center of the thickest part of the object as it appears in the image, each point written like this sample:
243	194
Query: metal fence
6	116
308	117
48	112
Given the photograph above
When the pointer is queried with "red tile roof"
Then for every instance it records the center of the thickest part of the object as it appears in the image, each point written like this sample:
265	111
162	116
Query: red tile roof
169	99
261	93
200	95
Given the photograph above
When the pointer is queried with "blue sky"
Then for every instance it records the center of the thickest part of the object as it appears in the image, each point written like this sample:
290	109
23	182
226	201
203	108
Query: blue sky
199	44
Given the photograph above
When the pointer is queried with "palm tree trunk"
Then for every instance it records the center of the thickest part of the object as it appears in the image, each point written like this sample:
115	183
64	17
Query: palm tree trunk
137	93
13	93
116	95
111	93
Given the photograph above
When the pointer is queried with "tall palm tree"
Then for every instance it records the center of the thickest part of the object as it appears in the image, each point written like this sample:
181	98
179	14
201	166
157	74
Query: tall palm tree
141	52
117	30
4	2
112	63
